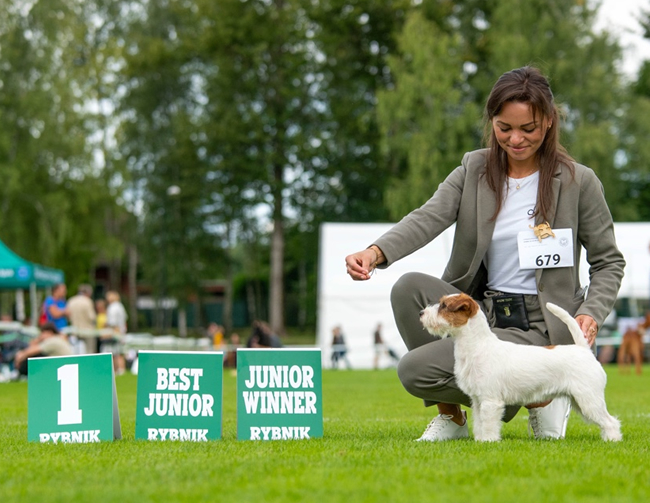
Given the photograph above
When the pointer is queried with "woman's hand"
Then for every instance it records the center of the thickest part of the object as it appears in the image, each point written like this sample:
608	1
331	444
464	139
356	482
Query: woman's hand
359	265
588	326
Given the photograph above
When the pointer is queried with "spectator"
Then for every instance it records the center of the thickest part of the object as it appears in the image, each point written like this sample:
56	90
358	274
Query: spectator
230	359
263	337
54	307
215	334
381	348
100	308
82	316
339	350
116	319
48	343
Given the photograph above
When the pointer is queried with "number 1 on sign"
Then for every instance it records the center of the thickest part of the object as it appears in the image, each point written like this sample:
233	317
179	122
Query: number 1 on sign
70	412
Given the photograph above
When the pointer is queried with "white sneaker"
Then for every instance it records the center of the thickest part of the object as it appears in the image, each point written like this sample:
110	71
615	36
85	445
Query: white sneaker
443	428
550	421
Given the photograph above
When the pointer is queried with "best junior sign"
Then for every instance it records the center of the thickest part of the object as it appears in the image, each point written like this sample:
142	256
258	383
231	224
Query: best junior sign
279	394
179	396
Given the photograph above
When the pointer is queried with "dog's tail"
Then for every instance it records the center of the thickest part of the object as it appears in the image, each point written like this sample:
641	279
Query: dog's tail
571	323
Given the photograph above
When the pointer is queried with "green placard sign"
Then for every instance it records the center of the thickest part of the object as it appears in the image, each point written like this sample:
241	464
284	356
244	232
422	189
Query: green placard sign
279	394
72	399
180	396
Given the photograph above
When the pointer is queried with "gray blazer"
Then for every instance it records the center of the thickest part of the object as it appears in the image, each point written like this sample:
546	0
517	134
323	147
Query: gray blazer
465	198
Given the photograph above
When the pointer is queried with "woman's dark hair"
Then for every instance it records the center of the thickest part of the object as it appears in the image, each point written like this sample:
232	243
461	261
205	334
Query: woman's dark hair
525	85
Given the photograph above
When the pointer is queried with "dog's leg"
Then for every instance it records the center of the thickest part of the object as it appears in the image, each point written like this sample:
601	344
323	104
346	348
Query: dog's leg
637	356
477	420
594	410
490	415
622	356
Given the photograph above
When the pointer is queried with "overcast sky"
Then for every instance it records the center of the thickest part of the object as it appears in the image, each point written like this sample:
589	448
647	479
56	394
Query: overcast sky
619	18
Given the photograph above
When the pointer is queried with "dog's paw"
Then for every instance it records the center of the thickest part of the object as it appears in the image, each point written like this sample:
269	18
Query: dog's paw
612	437
488	438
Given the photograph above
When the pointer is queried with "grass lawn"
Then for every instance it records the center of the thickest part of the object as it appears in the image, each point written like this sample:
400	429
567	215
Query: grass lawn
367	454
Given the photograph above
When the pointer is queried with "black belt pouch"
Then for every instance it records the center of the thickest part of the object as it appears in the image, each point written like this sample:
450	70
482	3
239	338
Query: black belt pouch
510	311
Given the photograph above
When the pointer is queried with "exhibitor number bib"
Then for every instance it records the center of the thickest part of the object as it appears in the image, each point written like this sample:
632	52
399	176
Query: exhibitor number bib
549	252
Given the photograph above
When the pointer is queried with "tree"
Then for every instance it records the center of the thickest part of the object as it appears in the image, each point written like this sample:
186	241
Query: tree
634	155
53	197
428	119
476	41
262	94
160	137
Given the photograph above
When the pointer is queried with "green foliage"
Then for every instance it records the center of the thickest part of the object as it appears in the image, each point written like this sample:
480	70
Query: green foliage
427	120
355	38
54	199
271	117
449	57
367	454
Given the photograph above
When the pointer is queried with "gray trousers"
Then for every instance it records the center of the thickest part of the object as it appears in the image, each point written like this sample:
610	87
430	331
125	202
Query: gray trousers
427	370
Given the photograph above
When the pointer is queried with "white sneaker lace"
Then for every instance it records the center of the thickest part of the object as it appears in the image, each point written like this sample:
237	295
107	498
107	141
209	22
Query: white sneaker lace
437	423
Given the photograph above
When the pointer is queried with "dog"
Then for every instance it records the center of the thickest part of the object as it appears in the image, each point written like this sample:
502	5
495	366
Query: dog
542	231
632	346
495	373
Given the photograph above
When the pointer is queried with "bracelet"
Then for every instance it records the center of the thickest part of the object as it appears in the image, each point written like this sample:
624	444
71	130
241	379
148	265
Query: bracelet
379	255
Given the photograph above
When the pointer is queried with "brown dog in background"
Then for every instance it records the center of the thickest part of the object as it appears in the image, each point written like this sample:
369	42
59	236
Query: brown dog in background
631	349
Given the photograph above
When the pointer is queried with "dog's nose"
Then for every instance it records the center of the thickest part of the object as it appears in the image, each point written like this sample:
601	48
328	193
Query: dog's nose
421	313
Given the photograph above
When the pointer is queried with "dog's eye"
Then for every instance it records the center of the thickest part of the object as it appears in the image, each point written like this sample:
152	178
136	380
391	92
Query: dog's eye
443	305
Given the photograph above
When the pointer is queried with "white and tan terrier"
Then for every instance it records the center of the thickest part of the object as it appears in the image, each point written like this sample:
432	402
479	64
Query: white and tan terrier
496	373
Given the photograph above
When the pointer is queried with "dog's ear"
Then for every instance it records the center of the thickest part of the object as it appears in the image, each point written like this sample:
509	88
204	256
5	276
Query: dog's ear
462	303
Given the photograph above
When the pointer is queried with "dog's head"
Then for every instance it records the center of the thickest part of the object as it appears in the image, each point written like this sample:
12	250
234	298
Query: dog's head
452	312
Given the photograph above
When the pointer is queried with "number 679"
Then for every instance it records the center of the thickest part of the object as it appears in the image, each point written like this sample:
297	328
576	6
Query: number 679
543	260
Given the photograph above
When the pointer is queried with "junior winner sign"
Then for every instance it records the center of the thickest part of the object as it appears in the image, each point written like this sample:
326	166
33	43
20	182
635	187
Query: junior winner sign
279	394
179	396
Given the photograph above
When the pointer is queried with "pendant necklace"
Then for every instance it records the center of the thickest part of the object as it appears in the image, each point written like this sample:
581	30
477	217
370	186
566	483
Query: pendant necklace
520	180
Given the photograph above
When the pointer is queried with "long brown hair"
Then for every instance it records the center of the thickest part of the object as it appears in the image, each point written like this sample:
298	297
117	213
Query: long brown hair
525	85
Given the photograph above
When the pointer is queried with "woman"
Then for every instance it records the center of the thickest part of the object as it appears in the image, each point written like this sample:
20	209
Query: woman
523	179
116	318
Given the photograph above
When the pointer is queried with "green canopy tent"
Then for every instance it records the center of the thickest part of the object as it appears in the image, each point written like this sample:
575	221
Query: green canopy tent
17	273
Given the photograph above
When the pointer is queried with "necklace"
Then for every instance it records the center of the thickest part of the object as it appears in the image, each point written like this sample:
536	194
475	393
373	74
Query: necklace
520	180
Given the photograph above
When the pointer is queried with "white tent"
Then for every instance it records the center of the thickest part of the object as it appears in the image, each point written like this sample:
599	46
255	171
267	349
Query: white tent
359	306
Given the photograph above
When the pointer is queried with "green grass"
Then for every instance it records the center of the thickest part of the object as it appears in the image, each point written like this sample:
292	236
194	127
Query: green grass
367	454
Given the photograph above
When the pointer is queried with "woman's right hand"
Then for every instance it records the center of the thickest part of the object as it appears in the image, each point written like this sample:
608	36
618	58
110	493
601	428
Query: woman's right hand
361	264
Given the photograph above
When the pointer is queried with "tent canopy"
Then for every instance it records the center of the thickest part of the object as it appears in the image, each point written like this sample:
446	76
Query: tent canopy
16	272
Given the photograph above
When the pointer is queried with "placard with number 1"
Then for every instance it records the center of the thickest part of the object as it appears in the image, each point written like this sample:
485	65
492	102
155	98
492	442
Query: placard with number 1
72	399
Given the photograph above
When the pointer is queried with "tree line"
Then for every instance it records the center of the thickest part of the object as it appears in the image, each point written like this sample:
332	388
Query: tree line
210	139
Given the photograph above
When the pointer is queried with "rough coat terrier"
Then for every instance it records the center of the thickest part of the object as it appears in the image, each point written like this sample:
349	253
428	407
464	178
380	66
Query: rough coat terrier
496	373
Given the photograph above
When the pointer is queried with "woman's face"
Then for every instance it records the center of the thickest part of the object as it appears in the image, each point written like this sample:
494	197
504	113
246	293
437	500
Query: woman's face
518	133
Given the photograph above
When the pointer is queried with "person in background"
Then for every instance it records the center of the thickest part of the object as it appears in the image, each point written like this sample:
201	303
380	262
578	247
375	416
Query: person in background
54	307
215	334
81	313
263	337
230	359
381	348
339	350
49	343
116	319
100	308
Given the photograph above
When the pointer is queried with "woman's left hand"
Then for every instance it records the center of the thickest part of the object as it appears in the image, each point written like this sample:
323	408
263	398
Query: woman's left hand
588	326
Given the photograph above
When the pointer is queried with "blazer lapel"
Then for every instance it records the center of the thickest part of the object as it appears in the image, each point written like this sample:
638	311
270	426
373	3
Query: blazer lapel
555	187
486	205
556	183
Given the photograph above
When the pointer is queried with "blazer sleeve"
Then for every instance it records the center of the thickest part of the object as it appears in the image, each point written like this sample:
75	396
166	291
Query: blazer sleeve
606	262
424	224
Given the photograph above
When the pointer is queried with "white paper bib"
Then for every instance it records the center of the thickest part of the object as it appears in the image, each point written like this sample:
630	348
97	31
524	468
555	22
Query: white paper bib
549	252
